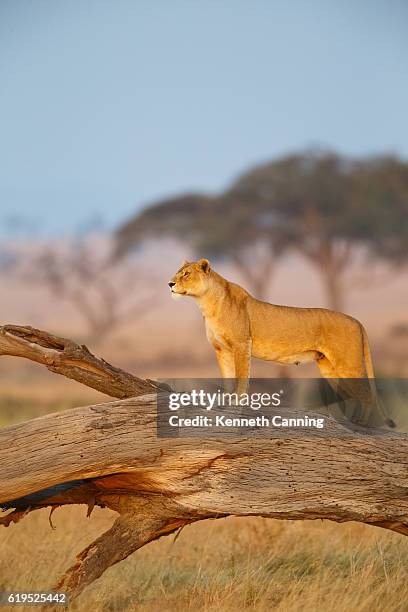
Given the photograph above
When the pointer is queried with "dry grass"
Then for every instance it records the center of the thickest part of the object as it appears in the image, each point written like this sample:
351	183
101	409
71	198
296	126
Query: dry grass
227	564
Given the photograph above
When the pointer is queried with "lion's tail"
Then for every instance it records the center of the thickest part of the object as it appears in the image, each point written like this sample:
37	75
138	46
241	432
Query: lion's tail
370	374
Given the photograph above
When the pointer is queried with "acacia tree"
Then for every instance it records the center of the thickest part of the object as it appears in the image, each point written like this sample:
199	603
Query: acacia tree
332	209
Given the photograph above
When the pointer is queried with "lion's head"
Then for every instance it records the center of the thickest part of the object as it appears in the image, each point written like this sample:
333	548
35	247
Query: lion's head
192	279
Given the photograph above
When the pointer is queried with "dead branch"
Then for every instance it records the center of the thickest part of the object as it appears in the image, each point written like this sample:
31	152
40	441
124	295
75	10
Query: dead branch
72	360
109	455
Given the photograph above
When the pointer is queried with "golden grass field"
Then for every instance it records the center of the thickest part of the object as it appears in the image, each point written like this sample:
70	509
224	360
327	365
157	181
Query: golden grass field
226	564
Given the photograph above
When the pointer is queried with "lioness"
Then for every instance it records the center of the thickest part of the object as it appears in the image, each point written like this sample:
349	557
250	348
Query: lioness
238	326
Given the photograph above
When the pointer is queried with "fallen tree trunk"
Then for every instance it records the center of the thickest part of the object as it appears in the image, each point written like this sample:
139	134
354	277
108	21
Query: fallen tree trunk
110	455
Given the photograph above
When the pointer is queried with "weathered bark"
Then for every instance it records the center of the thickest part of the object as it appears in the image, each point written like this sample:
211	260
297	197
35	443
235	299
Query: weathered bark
72	360
110	455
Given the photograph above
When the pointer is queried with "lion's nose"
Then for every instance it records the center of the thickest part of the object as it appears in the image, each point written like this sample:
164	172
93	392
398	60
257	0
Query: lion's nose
171	284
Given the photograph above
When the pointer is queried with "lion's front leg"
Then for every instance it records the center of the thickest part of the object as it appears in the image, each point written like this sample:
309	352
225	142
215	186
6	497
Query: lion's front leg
242	360
226	364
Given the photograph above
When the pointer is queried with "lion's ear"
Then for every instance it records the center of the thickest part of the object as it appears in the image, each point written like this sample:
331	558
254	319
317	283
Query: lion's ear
204	265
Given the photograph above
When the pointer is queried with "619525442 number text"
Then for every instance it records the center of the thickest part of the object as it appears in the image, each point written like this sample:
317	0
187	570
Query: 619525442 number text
27	598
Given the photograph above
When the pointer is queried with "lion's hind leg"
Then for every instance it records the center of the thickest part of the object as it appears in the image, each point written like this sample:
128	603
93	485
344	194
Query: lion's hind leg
352	384
330	375
353	387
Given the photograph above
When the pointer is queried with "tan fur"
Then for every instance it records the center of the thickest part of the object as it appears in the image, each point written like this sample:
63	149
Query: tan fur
239	326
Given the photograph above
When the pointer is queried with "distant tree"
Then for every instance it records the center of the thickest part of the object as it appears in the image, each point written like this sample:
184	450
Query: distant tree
332	210
104	290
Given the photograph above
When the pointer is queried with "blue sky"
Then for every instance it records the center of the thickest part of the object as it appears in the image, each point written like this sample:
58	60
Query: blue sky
108	105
